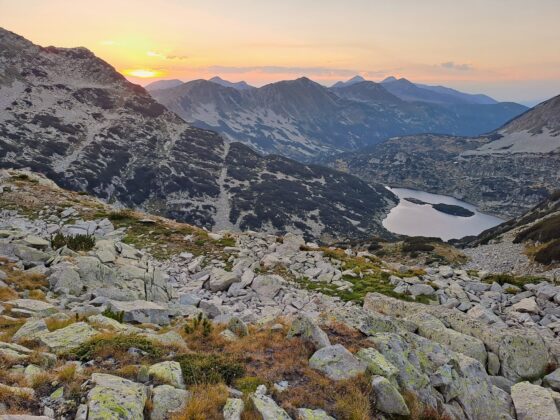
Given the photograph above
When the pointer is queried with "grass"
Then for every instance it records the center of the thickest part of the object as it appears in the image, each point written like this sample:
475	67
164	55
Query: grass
543	231
54	324
116	346
518	281
199	369
370	279
206	403
22	280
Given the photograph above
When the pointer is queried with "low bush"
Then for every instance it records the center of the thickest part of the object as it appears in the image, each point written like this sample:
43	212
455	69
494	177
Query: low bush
518	281
549	253
117	316
201	369
74	242
417	247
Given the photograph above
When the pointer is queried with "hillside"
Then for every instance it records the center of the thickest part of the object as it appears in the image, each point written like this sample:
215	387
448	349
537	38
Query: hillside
113	313
67	114
506	172
305	120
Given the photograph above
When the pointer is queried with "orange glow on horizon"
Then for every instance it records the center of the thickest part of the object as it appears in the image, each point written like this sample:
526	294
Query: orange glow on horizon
143	73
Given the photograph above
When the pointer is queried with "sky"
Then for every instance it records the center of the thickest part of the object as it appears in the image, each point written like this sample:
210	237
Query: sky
509	49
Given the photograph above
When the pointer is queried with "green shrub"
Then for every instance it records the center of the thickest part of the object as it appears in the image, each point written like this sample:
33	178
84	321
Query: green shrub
74	242
518	281
549	253
417	247
201	369
124	214
117	316
98	345
248	384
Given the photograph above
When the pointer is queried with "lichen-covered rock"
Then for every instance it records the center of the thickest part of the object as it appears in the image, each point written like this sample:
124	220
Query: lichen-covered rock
308	414
167	400
68	338
533	402
387	398
233	409
267	408
376	363
167	373
304	327
30	330
33	307
114	398
238	327
336	362
267	286
141	311
66	279
522	353
432	328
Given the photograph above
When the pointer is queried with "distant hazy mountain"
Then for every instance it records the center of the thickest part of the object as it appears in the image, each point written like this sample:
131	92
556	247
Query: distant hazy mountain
163	84
412	92
304	120
69	115
506	172
352	81
237	85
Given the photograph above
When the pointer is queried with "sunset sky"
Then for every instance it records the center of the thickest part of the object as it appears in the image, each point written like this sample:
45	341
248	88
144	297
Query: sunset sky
509	49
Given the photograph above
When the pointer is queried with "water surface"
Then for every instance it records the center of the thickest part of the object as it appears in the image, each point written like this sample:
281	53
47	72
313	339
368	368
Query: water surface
423	220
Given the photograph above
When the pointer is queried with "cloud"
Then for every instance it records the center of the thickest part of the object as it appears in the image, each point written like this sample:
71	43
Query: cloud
456	66
166	57
316	71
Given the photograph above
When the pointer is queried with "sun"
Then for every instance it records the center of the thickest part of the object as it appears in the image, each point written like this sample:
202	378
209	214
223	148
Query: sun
143	73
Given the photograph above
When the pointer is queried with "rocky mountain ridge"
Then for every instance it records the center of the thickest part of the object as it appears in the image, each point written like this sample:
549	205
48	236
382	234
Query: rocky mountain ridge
505	173
227	324
305	120
69	115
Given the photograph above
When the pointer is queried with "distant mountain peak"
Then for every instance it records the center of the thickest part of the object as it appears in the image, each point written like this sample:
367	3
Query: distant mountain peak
235	85
349	82
163	84
389	79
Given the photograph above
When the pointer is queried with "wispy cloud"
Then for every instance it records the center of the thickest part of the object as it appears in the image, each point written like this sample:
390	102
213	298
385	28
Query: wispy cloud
317	71
165	56
456	66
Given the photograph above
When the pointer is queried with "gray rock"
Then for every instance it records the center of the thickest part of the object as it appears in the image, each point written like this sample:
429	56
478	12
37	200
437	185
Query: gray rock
376	363
66	279
33	307
113	397
303	326
553	380
308	414
32	329
233	409
336	362
267	408
167	400
141	311
387	398
67	338
189	299
421	289
221	279
238	327
168	373
533	402
493	364
267	286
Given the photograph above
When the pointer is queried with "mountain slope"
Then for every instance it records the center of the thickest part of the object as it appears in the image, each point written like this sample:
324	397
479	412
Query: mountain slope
71	116
304	120
237	85
505	180
163	84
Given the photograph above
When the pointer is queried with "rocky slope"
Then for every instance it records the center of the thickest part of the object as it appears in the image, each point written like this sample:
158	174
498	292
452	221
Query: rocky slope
230	324
505	173
302	119
71	116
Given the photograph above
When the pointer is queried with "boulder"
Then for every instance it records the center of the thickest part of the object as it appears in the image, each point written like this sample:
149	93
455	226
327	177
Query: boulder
303	326
115	398
527	305
387	398
167	400
141	311
168	373
553	380
421	289
68	338
376	363
267	286
30	330
267	408
308	414
221	280
533	402
233	409
66	279
336	362
32	307
14	351
238	327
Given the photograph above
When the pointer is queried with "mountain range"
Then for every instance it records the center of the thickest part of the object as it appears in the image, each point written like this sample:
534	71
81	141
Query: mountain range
305	120
69	115
505	172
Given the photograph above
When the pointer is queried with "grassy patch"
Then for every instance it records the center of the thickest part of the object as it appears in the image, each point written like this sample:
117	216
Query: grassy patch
206	403
543	231
116	346
201	369
518	281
